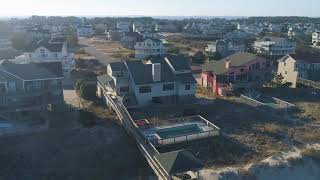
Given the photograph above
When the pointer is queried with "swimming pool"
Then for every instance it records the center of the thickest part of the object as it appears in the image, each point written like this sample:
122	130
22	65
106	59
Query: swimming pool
5	125
177	131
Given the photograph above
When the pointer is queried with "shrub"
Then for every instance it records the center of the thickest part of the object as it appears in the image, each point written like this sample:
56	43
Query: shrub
86	118
78	84
174	50
199	57
85	90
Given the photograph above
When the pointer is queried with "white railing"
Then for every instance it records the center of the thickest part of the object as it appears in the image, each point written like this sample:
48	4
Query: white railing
215	131
283	103
307	82
252	101
190	137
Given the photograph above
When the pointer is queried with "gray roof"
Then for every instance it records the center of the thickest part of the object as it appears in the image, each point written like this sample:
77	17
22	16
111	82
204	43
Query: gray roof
118	66
59	39
105	79
6	77
178	62
309	58
238	59
151	38
142	73
30	71
53	47
276	39
181	161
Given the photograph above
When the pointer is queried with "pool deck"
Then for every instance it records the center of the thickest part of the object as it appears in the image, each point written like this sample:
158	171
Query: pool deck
207	129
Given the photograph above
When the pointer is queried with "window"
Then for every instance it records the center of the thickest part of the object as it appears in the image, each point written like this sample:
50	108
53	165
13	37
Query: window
42	53
168	87
258	66
124	89
241	70
2	88
144	89
187	87
285	72
12	86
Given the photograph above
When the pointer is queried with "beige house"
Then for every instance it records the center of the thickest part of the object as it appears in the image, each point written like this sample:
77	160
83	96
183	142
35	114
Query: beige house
294	66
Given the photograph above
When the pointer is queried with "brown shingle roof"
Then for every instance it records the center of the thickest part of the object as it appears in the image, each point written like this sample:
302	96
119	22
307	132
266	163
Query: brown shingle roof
238	59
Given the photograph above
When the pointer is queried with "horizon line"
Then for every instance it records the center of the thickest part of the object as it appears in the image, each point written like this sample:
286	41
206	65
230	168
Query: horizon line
118	15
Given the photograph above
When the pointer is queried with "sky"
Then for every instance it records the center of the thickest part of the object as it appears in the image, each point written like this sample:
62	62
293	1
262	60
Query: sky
161	7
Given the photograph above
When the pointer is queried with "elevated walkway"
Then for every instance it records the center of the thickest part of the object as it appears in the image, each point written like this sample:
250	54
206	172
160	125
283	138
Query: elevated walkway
148	150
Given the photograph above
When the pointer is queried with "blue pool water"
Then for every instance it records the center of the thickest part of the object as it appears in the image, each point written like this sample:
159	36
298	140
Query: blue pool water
5	125
179	131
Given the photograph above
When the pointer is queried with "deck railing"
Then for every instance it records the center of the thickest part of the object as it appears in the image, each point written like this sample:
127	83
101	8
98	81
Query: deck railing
310	83
186	137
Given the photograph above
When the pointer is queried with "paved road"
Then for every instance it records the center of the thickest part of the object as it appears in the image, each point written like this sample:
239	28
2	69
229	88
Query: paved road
103	58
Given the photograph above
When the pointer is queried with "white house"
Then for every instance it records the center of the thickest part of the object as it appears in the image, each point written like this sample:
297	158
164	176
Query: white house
274	47
149	47
85	31
316	38
250	29
160	80
49	50
5	44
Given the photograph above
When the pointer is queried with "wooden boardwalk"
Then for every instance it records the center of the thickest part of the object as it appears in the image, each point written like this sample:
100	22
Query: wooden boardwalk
145	147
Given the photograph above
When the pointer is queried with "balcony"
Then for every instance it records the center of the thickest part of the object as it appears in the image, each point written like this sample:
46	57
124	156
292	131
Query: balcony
12	104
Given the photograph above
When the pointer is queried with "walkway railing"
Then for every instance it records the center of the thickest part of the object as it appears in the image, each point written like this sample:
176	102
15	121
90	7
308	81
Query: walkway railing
310	83
145	147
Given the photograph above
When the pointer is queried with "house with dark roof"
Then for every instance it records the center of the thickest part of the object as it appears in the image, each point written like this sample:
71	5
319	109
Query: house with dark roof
294	66
149	47
161	79
49	51
179	162
237	71
28	87
130	39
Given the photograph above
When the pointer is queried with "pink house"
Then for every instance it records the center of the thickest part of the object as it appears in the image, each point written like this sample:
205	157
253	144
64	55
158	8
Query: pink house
238	71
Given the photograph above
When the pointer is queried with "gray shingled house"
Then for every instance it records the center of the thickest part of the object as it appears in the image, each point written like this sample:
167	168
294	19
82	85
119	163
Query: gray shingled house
29	87
161	79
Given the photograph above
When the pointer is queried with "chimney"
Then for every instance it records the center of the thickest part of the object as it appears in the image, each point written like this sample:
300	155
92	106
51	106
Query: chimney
227	64
156	72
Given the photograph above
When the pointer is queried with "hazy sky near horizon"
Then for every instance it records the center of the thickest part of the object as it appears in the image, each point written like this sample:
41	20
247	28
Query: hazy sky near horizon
161	7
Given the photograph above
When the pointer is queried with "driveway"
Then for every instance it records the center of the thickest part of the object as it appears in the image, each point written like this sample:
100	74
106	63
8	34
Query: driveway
101	57
71	97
